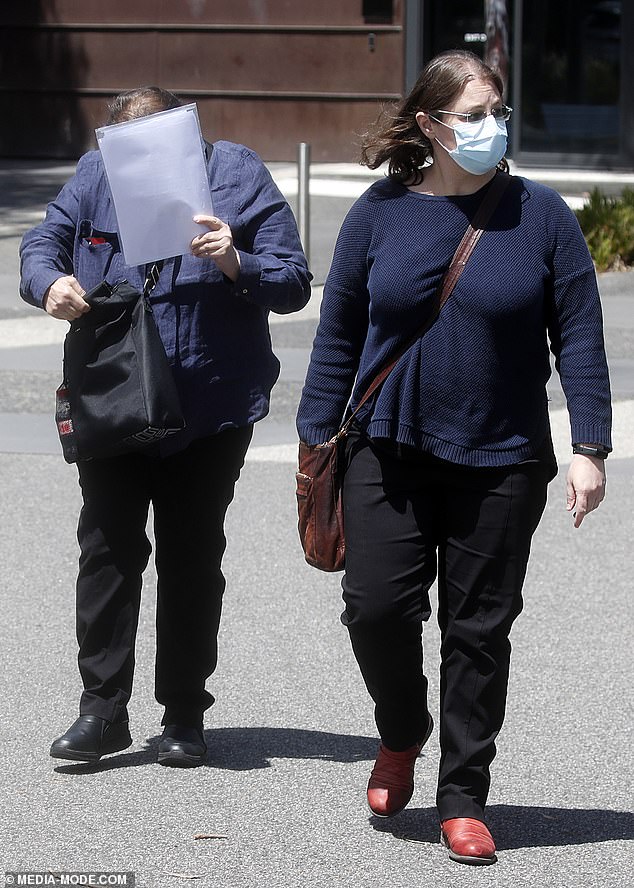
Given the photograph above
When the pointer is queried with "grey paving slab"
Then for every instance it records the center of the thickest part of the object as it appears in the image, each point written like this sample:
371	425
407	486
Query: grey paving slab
42	358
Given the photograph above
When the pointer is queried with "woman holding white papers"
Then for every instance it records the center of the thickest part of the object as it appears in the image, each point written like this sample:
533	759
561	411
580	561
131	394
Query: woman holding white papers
211	306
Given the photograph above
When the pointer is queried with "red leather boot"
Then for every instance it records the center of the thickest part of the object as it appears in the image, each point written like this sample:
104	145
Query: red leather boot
468	840
391	782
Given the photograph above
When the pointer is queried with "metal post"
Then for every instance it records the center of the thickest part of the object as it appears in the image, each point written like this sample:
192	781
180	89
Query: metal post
516	97
413	41
303	195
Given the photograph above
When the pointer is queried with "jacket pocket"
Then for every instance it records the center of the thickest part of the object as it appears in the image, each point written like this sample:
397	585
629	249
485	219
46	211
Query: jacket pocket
97	255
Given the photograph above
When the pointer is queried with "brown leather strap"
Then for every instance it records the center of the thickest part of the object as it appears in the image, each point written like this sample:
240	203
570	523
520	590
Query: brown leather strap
457	265
471	237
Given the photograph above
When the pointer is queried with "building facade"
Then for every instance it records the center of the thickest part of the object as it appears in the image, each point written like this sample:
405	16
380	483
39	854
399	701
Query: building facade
272	73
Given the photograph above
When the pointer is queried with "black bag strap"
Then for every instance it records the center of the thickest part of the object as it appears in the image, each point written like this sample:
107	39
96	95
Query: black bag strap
151	278
457	265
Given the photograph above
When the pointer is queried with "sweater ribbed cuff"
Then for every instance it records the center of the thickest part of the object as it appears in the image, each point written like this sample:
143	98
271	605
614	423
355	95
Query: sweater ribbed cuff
591	433
317	434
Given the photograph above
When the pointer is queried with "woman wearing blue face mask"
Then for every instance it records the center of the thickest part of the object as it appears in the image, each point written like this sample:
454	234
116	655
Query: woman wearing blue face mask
447	465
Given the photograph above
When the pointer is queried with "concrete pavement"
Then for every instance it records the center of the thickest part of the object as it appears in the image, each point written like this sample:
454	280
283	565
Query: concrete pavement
291	737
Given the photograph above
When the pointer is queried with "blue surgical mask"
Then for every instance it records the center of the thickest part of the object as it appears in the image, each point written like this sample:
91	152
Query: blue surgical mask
479	146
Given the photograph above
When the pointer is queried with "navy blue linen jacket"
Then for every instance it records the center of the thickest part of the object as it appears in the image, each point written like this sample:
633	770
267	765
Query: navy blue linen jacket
215	331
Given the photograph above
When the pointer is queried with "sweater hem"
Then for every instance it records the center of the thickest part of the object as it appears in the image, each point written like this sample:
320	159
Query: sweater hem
449	451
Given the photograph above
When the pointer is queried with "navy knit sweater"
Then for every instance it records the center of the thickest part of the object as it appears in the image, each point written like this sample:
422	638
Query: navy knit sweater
472	390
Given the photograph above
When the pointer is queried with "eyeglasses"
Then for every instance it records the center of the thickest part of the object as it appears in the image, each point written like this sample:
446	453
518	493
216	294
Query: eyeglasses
502	112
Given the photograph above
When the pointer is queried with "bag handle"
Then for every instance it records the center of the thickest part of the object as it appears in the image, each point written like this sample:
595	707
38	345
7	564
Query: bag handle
457	265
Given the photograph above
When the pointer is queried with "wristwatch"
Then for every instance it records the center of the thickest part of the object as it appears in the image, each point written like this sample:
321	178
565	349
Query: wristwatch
597	450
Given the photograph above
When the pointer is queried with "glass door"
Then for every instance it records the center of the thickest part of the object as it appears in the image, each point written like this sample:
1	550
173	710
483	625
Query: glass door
484	27
568	81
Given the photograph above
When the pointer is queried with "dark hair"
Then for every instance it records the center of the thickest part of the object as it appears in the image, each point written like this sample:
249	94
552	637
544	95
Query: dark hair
396	136
140	102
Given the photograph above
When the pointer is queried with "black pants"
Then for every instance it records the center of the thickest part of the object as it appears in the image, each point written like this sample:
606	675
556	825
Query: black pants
408	521
190	492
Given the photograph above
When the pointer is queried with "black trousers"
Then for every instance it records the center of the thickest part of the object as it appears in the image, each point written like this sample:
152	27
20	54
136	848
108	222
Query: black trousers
190	492
407	522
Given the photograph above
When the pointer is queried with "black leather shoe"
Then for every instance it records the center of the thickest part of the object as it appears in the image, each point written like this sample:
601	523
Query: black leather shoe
90	737
182	747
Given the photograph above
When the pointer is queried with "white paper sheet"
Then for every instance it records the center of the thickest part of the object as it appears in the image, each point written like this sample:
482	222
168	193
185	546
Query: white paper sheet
157	173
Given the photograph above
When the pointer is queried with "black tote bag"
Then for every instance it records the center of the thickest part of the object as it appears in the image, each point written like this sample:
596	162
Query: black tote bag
118	393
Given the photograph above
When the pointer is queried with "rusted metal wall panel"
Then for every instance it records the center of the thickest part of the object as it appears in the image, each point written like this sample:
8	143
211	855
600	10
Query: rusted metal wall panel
268	73
333	129
238	12
297	62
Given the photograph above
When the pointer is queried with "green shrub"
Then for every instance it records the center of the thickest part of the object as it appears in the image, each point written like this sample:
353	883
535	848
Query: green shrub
608	227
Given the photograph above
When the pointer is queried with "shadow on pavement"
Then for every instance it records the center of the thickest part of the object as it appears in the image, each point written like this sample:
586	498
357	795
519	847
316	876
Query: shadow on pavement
247	749
25	188
521	826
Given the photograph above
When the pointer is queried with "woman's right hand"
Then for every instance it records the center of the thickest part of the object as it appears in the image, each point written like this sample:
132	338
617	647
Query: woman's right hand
64	299
585	484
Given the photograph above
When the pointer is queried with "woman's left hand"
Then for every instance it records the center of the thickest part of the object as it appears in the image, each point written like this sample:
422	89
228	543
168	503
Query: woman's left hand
585	484
217	244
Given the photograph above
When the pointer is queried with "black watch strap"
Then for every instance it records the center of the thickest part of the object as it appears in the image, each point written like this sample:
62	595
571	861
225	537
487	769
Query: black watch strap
597	450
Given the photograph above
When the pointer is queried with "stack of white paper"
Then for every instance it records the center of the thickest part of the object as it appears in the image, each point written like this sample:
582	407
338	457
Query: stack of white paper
157	173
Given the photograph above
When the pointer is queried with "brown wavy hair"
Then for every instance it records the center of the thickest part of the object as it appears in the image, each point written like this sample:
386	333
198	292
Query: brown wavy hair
140	102
396	137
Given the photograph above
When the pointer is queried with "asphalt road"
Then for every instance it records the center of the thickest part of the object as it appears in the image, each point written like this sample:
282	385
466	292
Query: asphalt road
291	737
